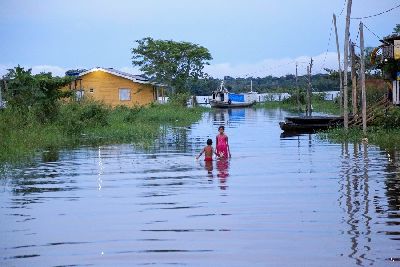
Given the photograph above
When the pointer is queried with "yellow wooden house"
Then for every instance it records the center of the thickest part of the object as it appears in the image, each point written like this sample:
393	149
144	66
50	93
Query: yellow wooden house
114	87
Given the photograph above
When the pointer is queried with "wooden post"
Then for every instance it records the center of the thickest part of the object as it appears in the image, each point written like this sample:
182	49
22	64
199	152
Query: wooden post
353	79
1	86
362	79
298	91
340	67
346	65
308	94
309	89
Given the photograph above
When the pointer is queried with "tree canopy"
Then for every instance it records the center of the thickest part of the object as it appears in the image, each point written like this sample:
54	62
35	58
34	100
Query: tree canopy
396	29
39	92
173	63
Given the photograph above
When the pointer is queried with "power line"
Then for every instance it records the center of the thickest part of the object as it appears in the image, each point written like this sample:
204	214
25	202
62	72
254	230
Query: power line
327	48
344	5
378	14
358	35
365	26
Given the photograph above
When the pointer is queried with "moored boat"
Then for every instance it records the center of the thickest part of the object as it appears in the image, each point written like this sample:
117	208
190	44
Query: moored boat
307	124
223	99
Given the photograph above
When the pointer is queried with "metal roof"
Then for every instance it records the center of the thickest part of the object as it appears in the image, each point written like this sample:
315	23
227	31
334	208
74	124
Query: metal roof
134	78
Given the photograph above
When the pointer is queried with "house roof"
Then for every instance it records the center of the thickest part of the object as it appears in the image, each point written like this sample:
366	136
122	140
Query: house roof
390	38
133	78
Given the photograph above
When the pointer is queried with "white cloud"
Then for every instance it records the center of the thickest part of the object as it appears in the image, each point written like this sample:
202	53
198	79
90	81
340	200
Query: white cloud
274	67
55	70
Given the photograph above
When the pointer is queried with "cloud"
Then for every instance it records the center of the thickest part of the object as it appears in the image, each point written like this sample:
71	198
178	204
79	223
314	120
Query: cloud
55	70
274	67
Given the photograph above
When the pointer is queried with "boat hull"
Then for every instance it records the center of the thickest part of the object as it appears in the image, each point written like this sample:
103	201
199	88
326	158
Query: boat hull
216	104
310	124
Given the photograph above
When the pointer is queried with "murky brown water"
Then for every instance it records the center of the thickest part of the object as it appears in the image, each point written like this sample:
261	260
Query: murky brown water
294	201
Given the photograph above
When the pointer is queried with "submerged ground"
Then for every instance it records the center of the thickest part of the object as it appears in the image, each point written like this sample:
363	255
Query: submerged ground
280	201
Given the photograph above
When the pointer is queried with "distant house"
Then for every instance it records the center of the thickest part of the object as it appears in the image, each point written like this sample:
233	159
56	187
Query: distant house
114	87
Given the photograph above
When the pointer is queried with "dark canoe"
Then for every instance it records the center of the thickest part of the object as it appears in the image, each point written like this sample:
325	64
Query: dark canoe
314	119
215	104
303	128
310	124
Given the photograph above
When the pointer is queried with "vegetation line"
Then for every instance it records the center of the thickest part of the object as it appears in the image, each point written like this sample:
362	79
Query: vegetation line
86	123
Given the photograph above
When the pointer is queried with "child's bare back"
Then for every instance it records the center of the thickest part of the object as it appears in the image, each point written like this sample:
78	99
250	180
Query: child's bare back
208	151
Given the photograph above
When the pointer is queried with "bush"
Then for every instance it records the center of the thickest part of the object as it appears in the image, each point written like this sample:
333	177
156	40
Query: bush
132	114
293	98
69	119
389	119
75	116
179	99
94	113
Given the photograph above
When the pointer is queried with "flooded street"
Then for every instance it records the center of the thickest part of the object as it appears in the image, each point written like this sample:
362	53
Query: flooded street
279	201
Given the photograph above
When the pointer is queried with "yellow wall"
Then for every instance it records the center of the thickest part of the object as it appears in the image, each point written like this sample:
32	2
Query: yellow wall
106	88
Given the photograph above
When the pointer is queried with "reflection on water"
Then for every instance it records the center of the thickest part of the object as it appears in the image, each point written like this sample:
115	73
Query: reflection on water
279	201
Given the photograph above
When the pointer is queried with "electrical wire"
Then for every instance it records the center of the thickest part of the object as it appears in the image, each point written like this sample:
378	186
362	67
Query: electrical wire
378	14
344	5
327	48
365	26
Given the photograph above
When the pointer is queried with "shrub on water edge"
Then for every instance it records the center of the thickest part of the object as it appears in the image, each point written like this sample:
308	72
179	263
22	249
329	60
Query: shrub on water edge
388	119
76	116
179	99
21	135
132	114
69	119
95	113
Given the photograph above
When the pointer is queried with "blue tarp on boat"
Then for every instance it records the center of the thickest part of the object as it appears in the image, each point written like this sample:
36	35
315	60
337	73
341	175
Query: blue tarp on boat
236	98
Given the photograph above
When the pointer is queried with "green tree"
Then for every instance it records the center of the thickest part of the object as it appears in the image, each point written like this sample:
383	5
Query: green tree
396	29
175	64
37	93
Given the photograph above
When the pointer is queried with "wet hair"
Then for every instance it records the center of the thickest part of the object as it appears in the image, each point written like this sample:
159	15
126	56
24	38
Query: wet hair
221	127
209	142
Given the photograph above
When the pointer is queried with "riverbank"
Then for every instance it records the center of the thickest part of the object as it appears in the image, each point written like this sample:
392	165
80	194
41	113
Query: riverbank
323	106
388	139
379	135
90	123
385	132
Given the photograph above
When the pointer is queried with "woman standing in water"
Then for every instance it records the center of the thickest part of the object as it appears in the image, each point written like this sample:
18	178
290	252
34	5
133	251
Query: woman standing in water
222	144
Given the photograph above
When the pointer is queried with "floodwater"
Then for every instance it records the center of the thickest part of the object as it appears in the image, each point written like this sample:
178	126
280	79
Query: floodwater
279	201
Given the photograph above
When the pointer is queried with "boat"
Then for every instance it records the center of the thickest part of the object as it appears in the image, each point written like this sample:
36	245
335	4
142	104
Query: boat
310	124
221	98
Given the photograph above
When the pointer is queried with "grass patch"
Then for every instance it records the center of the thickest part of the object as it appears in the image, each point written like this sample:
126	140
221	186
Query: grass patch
277	104
384	138
22	136
323	106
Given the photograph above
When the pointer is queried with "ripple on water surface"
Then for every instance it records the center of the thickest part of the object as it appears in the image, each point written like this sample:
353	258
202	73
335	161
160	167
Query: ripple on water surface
280	201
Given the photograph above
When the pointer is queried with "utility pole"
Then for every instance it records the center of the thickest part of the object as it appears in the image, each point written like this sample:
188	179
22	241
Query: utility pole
1	99
298	91
346	65
340	67
353	78
309	89
362	79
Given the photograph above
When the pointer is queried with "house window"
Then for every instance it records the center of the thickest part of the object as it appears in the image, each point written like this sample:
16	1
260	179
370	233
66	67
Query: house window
124	94
91	90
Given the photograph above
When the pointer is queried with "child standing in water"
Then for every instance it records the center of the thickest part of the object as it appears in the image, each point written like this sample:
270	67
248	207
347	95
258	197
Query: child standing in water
222	144
208	151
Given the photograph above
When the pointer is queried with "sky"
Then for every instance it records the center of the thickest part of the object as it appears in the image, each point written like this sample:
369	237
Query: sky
245	38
